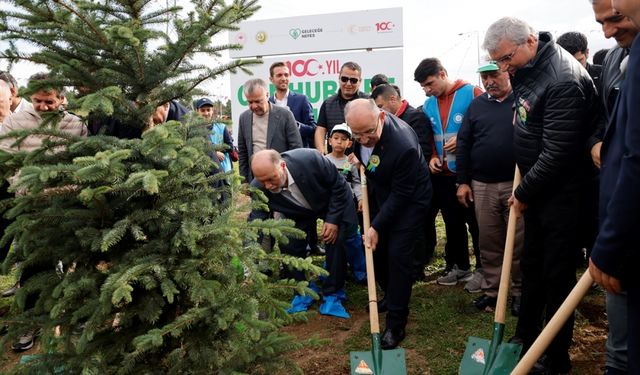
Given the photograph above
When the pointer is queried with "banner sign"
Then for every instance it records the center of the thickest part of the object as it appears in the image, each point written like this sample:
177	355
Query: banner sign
375	28
316	75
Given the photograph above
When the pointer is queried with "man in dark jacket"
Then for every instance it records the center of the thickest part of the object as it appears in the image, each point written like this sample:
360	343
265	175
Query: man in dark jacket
303	186
554	96
623	30
615	253
388	98
576	44
399	186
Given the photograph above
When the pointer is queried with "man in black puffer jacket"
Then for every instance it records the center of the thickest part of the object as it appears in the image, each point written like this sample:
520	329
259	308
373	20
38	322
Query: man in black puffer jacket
554	118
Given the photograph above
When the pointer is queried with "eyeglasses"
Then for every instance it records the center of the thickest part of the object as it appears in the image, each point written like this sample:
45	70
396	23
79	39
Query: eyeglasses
357	135
506	58
349	79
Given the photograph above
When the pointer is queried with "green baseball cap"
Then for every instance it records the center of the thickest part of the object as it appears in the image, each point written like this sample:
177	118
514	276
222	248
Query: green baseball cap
491	67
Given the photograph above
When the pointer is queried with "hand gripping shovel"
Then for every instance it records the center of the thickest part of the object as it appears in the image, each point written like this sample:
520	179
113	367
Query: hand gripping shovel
554	325
376	361
484	357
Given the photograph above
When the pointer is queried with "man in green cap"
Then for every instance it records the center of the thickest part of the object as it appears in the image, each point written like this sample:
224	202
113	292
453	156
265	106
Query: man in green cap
485	176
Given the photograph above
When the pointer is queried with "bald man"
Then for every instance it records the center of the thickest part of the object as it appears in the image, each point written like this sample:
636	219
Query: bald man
400	188
304	186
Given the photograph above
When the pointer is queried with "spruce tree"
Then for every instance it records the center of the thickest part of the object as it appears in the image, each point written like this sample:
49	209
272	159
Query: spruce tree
150	273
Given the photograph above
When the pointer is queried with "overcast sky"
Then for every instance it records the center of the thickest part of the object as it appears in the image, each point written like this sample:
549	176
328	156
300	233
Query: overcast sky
444	29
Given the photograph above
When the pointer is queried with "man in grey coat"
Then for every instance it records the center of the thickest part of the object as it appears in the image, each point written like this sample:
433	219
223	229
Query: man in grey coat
263	126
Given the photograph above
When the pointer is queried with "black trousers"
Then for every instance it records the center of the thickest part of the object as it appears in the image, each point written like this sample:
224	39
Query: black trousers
548	264
456	217
393	261
336	258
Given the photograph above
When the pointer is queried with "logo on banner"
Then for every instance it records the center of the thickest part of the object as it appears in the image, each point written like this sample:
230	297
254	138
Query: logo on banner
384	27
295	33
304	33
241	38
261	36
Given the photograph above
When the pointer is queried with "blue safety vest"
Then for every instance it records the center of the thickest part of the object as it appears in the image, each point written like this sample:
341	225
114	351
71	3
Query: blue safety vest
461	100
217	138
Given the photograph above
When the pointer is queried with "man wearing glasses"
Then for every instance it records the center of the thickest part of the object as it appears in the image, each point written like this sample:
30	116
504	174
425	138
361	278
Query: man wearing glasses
554	97
399	188
332	109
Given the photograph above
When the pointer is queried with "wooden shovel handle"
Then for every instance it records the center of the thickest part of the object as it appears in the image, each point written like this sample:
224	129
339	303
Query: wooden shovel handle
371	279
505	275
554	325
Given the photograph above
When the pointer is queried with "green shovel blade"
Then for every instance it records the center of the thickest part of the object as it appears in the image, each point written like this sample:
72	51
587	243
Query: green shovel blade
474	360
393	363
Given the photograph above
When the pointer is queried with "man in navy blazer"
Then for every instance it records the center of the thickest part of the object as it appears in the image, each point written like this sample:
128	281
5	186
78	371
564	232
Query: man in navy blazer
298	104
615	255
399	184
304	186
263	126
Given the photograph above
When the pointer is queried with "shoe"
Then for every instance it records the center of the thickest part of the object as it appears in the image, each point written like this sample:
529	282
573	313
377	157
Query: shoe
391	338
454	276
613	371
485	303
340	294
332	306
300	304
475	284
515	305
382	305
11	291
26	341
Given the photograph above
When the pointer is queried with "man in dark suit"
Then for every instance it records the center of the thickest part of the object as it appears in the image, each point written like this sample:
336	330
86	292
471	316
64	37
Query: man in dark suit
298	104
304	186
388	98
399	184
615	254
263	126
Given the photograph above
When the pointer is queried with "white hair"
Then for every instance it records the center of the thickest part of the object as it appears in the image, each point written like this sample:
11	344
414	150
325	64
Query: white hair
250	86
512	28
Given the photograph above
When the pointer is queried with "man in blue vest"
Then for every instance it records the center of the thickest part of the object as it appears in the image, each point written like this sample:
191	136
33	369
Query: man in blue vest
219	133
445	107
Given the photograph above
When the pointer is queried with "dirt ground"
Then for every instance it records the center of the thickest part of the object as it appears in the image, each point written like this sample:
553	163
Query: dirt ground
332	357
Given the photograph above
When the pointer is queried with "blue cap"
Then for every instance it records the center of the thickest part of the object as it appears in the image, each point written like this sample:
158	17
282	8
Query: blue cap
202	102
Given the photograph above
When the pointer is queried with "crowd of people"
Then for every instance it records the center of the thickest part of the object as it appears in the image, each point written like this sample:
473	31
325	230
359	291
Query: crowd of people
563	124
545	110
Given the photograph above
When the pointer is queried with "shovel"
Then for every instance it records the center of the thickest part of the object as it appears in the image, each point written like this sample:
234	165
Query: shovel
483	357
376	361
554	325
